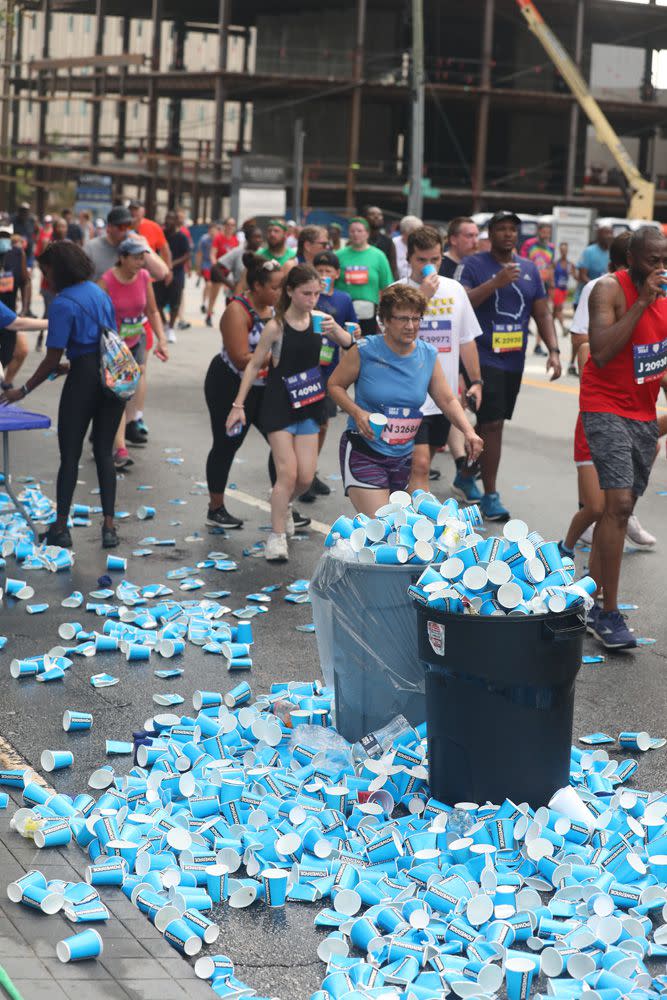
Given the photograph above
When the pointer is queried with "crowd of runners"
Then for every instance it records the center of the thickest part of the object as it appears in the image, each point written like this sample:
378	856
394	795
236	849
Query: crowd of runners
431	328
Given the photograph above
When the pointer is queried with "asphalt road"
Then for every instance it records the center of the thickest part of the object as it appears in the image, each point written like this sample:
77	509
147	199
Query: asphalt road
275	952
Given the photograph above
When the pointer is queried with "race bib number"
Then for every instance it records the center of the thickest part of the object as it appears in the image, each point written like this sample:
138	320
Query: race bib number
6	282
650	361
327	352
304	388
402	424
506	337
356	274
437	332
132	327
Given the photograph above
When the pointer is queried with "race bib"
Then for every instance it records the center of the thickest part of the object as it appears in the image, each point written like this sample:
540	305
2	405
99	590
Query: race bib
402	424
437	332
650	361
304	388
506	337
356	274
6	282
132	327
327	352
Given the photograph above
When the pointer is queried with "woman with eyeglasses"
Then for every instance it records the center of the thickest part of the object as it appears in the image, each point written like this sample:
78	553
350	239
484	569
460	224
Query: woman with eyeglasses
312	240
241	327
294	395
391	374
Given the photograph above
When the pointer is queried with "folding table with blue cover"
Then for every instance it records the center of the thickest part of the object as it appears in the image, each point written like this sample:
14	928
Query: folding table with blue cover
13	418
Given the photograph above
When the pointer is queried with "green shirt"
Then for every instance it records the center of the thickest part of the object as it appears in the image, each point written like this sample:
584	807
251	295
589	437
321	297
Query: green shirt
265	252
363	273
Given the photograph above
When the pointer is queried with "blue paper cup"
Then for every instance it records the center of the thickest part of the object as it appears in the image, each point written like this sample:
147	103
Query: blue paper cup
351	328
217	882
550	557
55	760
243	632
36	897
634	741
16	889
390	555
427	270
181	937
378	422
145	513
275	886
79	947
519	973
54	833
111	871
136	653
76	721
116	563
201	926
317	319
341	528
239	695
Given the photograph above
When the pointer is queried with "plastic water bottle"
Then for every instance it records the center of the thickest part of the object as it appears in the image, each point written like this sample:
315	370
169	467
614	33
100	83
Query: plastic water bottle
378	742
459	822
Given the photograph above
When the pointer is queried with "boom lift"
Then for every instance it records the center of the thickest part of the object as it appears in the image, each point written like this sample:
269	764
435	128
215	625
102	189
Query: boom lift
642	192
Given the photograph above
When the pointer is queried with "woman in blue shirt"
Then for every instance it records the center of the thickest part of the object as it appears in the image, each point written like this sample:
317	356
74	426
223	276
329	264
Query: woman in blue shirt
392	375
76	317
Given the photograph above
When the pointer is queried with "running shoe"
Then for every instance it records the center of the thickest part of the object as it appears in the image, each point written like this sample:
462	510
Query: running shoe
275	548
52	536
203	308
221	518
637	535
564	551
434	475
110	539
492	509
320	488
300	520
171	336
183	324
610	629
587	536
142	426
308	496
209	320
465	488
572	370
539	350
122	460
134	434
591	618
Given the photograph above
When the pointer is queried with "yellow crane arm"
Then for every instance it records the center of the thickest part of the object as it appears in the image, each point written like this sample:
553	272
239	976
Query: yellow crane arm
643	191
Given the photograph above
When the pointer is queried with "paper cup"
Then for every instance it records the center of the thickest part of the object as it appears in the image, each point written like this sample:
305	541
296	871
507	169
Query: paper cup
182	938
519	973
275	882
509	595
76	721
55	760
378	422
79	947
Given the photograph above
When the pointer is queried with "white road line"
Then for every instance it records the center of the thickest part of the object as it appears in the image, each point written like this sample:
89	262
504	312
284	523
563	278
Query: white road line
251	501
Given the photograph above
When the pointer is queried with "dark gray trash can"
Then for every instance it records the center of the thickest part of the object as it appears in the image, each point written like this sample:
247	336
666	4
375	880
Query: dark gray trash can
367	640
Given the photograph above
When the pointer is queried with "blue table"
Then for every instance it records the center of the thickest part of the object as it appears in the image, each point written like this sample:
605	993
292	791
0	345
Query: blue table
13	418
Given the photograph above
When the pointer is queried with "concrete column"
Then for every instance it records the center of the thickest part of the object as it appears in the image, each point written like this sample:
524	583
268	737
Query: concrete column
355	108
479	166
575	111
219	128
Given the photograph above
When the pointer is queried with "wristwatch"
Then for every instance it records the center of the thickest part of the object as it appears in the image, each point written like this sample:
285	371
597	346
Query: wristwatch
24	391
554	350
476	381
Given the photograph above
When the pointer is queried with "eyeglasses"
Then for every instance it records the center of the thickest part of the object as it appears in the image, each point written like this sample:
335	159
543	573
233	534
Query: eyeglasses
407	320
320	243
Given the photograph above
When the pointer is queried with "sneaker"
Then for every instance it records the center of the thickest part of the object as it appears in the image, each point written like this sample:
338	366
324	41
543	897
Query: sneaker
610	629
492	509
171	336
638	535
434	475
591	618
52	536
142	426
209	320
203	308
290	527
465	488
134	434
300	520
183	325
587	536
564	551
320	488
572	370
221	518
539	350
309	496
275	548
110	539
122	460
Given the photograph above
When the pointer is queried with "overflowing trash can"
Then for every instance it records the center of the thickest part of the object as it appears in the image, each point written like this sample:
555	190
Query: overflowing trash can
367	641
499	703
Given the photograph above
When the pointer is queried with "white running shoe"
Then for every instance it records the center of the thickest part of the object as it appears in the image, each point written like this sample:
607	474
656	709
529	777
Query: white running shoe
290	527
171	336
587	537
275	549
637	535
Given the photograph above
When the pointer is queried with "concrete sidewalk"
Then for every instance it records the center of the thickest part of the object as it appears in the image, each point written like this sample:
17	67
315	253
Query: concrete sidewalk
136	964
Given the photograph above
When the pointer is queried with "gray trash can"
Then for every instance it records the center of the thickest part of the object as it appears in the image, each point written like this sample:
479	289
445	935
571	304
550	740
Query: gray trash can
366	633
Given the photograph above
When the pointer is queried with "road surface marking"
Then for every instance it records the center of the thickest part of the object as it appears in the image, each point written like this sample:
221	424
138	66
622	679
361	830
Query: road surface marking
251	501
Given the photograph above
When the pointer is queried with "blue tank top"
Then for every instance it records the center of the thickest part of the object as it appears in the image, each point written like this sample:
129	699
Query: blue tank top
561	275
395	385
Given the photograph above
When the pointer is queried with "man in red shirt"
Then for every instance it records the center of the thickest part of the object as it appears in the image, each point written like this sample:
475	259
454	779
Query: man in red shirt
619	389
152	233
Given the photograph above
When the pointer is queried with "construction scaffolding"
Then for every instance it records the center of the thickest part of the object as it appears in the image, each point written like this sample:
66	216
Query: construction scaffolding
501	126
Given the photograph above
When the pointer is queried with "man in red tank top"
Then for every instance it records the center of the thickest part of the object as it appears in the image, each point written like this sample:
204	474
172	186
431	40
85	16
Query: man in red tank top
619	389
